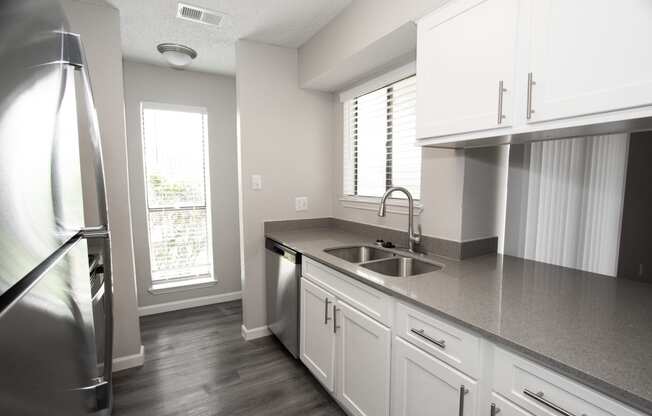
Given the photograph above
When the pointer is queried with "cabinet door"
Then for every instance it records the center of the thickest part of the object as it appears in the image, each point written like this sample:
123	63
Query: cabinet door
589	56
424	386
363	363
464	51
317	339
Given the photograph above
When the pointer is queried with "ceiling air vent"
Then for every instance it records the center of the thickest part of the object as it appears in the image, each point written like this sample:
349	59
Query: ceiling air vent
199	14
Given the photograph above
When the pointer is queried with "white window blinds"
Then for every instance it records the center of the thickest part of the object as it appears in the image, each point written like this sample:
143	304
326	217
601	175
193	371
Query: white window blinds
176	178
380	148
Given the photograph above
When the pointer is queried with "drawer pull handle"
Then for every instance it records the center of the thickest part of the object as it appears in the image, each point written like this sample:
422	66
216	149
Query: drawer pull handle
539	397
420	332
326	317
335	325
463	392
494	410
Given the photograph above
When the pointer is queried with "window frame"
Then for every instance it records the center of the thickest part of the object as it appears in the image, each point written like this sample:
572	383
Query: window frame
395	205
187	281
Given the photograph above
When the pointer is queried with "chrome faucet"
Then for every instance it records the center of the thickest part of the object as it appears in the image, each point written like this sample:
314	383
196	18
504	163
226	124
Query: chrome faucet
413	238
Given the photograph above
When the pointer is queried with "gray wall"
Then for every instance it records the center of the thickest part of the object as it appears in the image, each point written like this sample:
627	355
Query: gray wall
485	192
285	135
143	82
99	26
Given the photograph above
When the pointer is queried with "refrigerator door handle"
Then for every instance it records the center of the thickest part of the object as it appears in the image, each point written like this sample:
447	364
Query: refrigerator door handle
99	231
14	293
102	231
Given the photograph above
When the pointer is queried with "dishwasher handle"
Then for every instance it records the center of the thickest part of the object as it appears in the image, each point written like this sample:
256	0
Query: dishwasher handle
283	251
278	250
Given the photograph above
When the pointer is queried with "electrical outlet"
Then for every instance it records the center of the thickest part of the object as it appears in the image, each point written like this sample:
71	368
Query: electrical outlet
301	203
256	182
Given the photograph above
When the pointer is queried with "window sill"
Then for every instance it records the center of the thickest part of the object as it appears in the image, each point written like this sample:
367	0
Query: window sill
182	285
395	206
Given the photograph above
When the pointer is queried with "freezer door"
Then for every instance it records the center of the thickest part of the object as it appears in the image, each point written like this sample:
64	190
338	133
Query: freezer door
48	349
40	198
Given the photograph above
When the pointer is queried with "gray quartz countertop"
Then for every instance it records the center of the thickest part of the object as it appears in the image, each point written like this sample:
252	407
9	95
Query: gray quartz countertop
592	328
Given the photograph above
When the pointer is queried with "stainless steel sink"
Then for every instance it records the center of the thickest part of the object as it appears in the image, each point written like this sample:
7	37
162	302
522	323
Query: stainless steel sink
359	254
401	267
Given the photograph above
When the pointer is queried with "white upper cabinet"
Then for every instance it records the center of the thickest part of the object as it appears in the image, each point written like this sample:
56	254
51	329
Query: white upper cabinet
466	54
565	66
589	56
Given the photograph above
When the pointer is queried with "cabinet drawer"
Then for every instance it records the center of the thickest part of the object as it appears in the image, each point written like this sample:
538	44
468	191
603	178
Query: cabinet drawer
450	344
545	393
364	298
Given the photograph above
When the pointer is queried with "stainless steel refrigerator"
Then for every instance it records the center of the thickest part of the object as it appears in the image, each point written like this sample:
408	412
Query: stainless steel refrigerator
48	360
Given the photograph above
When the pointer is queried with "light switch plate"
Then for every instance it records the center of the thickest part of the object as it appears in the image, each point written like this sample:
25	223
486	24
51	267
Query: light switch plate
256	182
301	203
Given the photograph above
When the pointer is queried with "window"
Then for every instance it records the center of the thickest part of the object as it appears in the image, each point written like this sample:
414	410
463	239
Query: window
175	151
380	148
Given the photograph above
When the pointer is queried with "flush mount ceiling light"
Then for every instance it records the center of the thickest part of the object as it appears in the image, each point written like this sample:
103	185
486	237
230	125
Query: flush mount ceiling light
177	55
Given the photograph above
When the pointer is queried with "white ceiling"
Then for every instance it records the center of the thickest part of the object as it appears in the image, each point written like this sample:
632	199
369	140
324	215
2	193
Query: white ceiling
290	23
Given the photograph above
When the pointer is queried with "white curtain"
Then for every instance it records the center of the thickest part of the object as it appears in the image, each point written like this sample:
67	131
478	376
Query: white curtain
565	202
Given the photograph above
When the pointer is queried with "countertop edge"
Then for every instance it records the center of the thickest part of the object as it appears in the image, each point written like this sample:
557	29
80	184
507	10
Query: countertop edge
602	386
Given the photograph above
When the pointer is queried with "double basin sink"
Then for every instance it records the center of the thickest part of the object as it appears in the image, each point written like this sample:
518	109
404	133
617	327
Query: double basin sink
386	262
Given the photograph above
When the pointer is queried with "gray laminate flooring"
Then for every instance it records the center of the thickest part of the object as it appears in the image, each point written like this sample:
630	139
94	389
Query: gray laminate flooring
196	363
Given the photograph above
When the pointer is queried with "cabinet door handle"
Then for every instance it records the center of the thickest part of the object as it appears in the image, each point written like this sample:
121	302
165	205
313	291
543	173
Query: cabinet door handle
438	342
463	392
494	410
501	91
530	84
335	326
326	317
539	397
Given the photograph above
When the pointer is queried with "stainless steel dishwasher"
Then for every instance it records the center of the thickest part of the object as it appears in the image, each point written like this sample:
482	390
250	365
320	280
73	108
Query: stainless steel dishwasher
283	270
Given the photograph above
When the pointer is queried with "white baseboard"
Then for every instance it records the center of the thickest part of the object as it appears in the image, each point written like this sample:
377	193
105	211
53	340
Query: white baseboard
249	334
188	303
129	361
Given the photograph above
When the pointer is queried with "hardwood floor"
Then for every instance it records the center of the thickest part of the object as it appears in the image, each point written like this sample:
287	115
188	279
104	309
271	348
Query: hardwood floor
196	363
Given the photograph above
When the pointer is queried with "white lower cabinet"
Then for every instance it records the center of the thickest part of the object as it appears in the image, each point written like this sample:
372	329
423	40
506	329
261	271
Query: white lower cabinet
346	350
317	340
363	358
424	386
427	366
